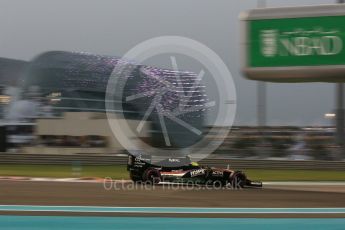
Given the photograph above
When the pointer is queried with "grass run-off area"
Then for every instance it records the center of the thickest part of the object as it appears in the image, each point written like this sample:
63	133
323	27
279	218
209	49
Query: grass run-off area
119	172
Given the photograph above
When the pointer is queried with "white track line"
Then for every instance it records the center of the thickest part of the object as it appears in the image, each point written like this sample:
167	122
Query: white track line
303	183
101	180
171	210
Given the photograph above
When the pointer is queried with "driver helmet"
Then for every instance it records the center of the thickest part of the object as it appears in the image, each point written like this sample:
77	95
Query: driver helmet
194	164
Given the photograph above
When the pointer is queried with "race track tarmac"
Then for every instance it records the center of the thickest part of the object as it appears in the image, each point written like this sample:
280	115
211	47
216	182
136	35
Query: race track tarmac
126	195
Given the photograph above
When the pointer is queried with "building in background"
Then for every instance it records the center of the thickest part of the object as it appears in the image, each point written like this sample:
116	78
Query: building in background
78	133
58	82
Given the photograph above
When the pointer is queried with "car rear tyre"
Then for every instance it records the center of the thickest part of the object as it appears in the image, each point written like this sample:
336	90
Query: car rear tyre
152	176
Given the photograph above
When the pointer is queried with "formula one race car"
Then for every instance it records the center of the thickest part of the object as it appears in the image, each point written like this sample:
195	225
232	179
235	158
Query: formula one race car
142	170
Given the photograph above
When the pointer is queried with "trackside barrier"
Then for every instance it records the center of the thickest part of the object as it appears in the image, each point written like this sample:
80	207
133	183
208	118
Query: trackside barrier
16	158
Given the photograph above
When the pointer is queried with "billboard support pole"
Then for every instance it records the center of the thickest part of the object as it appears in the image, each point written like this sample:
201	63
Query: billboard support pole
261	97
340	111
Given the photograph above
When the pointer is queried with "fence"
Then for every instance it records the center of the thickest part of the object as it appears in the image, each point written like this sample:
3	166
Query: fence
15	158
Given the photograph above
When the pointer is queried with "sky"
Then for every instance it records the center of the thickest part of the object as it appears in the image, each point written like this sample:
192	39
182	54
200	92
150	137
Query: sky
112	27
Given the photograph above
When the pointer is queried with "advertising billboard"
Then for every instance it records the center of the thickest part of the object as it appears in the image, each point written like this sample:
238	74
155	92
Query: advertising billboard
295	44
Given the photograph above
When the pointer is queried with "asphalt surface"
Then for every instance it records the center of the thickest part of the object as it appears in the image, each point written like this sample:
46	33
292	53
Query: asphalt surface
126	195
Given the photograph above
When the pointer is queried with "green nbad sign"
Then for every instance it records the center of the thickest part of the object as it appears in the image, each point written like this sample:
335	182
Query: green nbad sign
293	42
